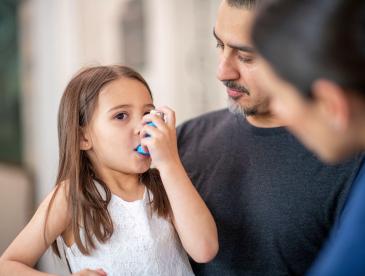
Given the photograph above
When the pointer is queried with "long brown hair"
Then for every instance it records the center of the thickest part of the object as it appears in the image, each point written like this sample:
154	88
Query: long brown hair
86	206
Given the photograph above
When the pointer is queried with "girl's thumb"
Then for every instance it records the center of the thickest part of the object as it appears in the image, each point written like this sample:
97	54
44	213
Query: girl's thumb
101	272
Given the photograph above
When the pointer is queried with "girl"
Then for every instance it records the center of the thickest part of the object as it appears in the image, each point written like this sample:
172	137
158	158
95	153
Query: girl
110	213
318	50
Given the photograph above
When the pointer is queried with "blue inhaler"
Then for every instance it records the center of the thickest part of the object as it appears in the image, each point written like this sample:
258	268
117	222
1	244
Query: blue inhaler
140	148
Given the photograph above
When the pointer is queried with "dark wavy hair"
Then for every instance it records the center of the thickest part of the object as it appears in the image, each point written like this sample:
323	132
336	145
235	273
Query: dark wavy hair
311	39
86	205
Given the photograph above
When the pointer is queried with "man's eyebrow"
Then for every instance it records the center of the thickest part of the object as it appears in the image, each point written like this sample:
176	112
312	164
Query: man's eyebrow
215	35
242	48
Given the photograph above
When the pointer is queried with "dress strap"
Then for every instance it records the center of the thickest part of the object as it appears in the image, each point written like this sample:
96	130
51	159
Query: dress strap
61	250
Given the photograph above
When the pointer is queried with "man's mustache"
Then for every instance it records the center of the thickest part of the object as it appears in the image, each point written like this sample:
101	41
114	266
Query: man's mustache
234	86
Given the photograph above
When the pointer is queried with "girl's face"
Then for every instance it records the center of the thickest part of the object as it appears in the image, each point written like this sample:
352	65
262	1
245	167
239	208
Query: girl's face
113	133
313	121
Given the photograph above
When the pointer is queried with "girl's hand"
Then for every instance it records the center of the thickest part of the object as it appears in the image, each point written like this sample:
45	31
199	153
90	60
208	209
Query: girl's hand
191	217
90	272
161	143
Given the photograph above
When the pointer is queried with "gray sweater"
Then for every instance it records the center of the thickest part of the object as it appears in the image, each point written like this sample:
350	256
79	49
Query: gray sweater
273	201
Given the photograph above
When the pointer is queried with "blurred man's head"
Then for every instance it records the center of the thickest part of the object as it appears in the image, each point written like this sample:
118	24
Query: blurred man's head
237	64
313	71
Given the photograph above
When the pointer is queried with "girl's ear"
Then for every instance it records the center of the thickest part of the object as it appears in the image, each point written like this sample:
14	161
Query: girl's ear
85	141
333	103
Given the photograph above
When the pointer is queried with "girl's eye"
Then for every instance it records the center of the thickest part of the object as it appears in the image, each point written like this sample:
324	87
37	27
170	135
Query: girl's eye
147	112
121	116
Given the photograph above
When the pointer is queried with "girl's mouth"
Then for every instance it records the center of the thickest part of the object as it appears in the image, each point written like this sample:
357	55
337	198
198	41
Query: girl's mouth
140	151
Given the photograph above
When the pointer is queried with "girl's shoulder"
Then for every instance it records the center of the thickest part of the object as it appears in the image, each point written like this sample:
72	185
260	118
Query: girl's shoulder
56	200
54	209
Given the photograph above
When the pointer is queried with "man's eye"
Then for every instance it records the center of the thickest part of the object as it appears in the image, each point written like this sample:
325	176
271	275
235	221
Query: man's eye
121	116
219	45
246	59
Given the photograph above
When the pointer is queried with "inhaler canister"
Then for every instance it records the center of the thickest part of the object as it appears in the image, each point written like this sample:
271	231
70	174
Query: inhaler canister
140	149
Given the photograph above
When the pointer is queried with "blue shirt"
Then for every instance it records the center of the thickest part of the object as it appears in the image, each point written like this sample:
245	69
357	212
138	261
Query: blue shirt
344	253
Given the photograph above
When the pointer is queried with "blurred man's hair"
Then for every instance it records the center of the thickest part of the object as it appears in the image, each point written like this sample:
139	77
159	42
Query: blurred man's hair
323	47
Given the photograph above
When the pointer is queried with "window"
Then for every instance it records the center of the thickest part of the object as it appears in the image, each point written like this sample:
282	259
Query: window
10	140
133	34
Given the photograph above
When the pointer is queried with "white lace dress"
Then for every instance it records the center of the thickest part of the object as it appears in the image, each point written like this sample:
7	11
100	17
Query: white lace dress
142	244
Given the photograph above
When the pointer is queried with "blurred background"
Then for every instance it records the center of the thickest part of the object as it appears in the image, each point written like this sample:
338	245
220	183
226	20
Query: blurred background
44	42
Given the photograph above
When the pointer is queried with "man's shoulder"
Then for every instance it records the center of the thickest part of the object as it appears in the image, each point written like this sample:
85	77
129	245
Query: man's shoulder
204	129
213	118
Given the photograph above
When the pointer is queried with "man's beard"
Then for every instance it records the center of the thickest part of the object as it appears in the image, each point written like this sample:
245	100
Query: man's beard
234	106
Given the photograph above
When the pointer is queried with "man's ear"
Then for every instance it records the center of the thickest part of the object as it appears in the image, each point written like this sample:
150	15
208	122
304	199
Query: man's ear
333	103
85	140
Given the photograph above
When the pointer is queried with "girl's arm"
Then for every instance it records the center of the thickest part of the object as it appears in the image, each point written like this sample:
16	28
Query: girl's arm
191	217
29	245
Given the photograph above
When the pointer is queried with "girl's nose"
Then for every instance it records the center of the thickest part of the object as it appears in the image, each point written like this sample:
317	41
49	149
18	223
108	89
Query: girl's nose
138	128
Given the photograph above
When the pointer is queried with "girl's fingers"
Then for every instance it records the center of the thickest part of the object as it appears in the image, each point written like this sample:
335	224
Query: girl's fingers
101	272
170	117
148	130
157	120
145	143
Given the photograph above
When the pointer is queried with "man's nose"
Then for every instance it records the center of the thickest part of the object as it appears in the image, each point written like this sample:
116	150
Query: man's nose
227	69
